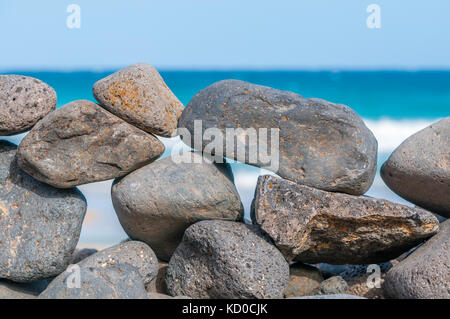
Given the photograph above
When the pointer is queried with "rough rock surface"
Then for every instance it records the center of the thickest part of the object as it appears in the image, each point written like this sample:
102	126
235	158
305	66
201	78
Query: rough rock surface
321	144
134	253
315	226
425	273
224	259
39	225
23	102
304	280
336	296
138	95
419	169
82	143
156	203
120	281
10	290
333	285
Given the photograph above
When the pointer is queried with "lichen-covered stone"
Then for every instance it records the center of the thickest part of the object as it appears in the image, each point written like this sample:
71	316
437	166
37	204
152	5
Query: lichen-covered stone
425	274
316	226
321	144
39	225
134	253
23	102
82	143
120	281
419	169
224	259
156	203
138	95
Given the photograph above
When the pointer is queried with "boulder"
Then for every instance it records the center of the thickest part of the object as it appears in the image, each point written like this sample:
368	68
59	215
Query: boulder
120	281
156	203
313	226
138	95
23	102
320	144
425	273
82	143
224	259
39	224
134	253
419	169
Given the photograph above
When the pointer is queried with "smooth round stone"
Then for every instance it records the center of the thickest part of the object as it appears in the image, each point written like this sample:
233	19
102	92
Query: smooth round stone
23	102
138	95
82	143
320	144
425	273
121	281
155	204
39	224
135	253
419	169
224	259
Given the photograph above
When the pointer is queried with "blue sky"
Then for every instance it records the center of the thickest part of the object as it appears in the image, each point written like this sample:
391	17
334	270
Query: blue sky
225	34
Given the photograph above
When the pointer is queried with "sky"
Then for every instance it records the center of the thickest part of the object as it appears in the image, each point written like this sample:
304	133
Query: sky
225	34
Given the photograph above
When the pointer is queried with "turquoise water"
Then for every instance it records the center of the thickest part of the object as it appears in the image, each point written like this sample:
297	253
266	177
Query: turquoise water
373	95
394	105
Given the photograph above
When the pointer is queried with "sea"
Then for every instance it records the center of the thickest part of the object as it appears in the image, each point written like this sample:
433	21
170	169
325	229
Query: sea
393	104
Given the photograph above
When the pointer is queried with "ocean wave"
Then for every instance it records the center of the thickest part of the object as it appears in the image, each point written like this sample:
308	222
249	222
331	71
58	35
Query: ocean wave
391	133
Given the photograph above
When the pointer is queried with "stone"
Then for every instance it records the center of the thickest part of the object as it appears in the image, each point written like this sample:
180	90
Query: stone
81	254
11	290
39	224
134	253
138	95
225	259
159	284
155	295
23	102
425	274
155	204
314	226
333	285
120	281
335	296
82	143
419	169
304	280
321	144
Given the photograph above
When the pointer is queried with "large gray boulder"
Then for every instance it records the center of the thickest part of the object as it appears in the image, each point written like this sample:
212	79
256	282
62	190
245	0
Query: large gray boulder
135	253
321	144
224	259
23	102
138	95
39	225
121	281
156	203
425	273
313	226
82	143
419	169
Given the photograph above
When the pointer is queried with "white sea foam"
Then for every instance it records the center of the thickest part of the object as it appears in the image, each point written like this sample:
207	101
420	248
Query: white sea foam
391	133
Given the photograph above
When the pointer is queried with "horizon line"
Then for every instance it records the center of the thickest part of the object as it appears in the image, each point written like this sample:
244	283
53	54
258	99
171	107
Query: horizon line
330	69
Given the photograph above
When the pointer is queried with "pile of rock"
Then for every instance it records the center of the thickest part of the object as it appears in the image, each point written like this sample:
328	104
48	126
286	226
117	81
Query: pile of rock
183	213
